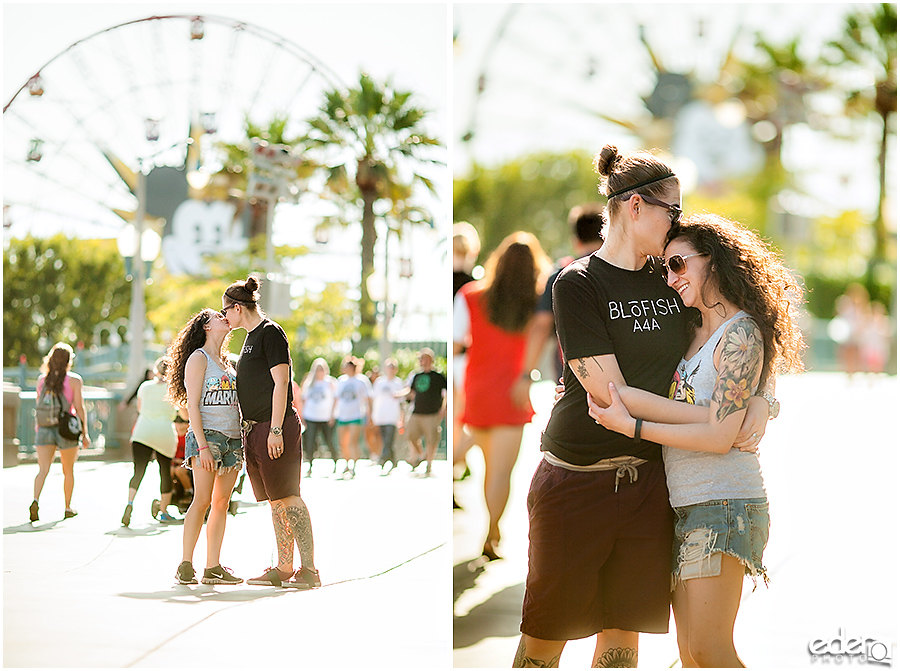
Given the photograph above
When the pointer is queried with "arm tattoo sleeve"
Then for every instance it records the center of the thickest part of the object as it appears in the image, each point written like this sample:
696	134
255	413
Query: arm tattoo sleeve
739	364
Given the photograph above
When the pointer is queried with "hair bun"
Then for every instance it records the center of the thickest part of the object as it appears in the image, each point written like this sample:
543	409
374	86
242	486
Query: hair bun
252	284
606	159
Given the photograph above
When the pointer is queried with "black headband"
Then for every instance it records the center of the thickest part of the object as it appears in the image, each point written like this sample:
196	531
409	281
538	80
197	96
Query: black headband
640	184
238	300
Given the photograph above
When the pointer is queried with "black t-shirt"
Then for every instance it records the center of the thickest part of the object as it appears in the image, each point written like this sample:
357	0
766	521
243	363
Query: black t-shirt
265	347
428	387
601	309
460	279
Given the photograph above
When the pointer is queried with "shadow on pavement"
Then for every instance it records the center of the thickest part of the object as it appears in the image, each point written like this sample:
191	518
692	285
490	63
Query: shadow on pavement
196	594
497	617
465	575
30	527
140	532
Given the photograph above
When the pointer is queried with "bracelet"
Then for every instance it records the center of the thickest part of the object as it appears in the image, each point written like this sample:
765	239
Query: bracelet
205	447
637	429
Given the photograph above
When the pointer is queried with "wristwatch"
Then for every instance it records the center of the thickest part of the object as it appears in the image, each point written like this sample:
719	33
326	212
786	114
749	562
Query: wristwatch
774	405
275	430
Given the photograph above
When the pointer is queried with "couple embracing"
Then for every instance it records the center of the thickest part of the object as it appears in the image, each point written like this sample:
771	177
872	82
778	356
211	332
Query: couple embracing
238	415
649	494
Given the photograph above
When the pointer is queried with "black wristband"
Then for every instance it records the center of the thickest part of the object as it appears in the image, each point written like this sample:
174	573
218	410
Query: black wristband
637	430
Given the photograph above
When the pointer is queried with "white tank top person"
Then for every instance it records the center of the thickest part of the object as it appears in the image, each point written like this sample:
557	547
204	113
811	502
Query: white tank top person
218	401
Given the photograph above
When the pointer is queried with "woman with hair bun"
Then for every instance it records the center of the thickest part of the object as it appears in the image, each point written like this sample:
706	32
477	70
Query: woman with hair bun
57	380
271	434
601	528
746	305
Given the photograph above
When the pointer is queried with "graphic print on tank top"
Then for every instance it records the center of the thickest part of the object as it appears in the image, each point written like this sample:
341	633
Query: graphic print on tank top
220	390
682	388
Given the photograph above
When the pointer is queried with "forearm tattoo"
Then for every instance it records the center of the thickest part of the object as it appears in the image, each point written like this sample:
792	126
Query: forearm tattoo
740	363
301	526
283	536
581	369
617	658
522	661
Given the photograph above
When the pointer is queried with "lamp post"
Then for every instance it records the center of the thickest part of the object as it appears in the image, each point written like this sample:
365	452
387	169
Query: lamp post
142	245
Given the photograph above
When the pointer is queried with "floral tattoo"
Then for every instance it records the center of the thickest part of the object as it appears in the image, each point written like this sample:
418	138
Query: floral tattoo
739	365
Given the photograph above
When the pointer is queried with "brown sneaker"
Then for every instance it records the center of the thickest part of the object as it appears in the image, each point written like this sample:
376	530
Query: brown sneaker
303	578
271	578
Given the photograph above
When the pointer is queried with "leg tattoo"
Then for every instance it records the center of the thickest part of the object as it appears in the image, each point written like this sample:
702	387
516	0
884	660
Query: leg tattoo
283	536
617	658
522	661
301	526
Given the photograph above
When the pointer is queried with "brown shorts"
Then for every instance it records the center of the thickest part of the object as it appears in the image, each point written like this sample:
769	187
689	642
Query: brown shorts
274	479
424	426
597	559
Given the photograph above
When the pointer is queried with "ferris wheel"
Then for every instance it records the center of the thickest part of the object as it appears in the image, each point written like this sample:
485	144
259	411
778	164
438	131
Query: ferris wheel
157	92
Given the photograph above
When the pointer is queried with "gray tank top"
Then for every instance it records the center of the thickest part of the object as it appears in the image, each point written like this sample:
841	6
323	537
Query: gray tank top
695	477
219	408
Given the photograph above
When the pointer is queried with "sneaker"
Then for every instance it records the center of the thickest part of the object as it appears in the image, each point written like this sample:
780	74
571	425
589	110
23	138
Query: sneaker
303	578
219	575
185	574
271	578
126	517
70	513
33	511
166	518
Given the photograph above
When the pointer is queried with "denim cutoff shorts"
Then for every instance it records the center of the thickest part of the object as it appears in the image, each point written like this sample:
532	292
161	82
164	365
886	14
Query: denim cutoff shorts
49	435
704	531
227	452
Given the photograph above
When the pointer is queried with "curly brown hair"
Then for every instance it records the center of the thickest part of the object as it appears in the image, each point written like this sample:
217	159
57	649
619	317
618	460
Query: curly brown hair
191	338
752	276
513	276
56	364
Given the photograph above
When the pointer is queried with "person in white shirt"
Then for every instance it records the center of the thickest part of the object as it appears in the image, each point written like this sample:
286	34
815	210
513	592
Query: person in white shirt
352	410
317	394
386	412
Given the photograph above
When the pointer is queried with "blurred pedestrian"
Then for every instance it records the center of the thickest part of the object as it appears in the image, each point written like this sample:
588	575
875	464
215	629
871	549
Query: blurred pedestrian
748	304
180	471
617	321
386	411
428	392
271	434
371	432
57	389
491	321
202	379
352	410
153	436
466	248
586	224
317	406
848	326
875	340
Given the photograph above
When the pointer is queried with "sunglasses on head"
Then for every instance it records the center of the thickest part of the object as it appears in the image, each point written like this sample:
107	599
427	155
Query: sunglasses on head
678	263
674	210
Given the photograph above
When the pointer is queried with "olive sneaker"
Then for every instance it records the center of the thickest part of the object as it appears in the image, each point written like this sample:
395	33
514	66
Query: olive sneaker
219	575
185	574
303	578
271	578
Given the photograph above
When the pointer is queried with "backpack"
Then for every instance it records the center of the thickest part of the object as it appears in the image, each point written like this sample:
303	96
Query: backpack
47	409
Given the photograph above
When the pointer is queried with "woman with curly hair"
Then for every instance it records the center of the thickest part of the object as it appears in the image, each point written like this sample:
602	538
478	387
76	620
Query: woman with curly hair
491	321
202	379
57	378
744	304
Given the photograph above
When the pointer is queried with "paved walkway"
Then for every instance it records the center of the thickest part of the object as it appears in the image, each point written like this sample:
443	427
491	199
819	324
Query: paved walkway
830	464
86	592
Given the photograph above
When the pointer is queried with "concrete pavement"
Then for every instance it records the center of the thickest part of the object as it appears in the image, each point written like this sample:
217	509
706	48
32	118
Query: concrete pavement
830	466
86	592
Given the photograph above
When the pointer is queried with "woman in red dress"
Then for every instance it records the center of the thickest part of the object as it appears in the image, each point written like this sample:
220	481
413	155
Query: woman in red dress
492	318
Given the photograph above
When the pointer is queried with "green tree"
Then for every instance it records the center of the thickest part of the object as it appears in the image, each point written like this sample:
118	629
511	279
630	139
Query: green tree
370	143
58	289
869	42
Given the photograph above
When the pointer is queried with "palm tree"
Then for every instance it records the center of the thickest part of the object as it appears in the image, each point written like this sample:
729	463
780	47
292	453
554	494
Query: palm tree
870	41
370	143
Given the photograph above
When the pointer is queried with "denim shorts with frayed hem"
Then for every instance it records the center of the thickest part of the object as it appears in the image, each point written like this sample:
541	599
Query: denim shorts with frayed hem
49	435
705	531
228	453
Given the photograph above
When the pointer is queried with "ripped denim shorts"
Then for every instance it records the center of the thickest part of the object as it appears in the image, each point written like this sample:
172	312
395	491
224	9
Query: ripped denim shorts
228	453
704	531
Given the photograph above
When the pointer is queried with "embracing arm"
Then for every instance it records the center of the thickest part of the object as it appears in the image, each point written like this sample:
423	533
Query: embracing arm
740	365
596	372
